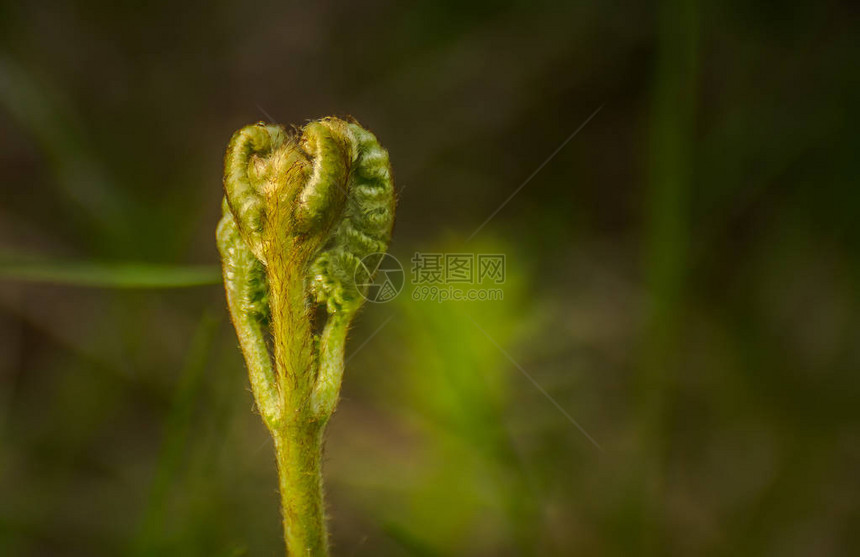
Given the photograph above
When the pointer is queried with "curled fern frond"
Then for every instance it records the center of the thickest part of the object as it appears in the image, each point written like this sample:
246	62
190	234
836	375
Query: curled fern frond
326	195
339	271
304	216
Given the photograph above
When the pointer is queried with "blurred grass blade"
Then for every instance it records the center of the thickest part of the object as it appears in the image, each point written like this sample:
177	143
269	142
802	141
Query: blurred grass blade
668	228
109	274
177	436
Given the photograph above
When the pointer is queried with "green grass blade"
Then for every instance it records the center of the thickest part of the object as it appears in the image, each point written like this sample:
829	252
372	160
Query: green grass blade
177	436
109	274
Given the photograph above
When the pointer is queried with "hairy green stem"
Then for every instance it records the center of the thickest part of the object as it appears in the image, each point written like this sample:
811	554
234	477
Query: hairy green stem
293	341
299	452
304	219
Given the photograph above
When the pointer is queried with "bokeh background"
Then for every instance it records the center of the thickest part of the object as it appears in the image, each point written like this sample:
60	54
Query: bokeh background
683	277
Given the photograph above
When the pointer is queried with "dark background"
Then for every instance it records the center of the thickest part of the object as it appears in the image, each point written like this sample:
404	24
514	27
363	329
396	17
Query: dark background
682	277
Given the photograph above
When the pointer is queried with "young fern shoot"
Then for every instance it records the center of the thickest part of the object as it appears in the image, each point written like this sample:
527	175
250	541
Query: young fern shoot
306	216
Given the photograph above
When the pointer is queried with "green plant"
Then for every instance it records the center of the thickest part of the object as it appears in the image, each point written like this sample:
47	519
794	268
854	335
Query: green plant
306	216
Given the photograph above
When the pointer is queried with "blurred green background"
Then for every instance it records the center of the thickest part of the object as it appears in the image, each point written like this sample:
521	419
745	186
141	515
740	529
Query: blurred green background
683	277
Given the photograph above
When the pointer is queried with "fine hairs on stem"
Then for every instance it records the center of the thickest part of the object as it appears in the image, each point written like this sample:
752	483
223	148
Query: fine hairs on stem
306	216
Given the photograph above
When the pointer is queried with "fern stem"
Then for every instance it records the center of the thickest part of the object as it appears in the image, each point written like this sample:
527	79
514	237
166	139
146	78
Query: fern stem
298	448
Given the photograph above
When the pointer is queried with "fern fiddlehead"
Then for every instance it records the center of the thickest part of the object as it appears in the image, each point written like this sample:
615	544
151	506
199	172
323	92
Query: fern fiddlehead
303	215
